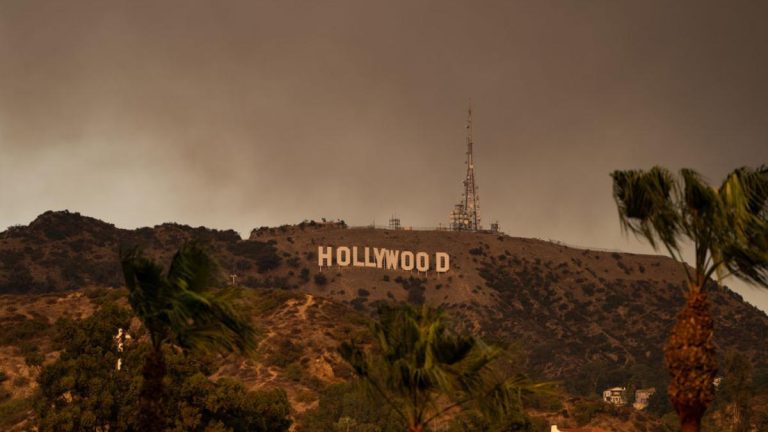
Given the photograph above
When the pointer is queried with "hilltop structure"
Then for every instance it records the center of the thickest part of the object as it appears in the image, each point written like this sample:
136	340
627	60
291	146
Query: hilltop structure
615	396
465	215
642	397
394	223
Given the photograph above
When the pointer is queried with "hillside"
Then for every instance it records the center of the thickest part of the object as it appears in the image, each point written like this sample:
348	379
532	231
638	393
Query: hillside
588	318
581	305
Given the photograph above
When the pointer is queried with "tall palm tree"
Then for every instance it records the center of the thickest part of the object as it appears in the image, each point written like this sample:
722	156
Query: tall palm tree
727	228
179	307
423	371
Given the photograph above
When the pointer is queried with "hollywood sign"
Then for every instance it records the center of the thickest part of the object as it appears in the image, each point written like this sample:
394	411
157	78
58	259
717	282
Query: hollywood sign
382	258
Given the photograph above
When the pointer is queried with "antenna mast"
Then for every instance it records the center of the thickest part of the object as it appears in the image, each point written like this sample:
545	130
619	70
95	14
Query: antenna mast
465	216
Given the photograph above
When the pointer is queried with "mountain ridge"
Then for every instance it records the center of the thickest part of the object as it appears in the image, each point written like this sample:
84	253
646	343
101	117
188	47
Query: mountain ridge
579	306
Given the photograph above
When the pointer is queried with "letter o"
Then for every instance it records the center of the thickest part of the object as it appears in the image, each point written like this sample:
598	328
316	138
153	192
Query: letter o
346	259
422	262
406	264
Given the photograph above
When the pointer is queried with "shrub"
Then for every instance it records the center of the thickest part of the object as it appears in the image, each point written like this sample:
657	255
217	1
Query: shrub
14	411
286	352
94	293
264	254
32	356
359	303
347	406
294	372
18	328
304	275
415	288
20	381
584	411
320	279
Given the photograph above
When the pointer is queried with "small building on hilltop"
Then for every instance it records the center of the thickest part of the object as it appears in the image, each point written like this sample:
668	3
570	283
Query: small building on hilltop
642	396
615	396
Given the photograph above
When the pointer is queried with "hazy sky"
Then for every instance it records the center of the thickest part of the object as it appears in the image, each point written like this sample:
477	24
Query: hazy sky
240	114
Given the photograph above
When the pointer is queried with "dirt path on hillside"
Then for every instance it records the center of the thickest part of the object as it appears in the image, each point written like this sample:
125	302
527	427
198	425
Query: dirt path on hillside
302	310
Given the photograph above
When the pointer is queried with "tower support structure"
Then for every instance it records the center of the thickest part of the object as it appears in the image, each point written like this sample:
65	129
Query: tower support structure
465	215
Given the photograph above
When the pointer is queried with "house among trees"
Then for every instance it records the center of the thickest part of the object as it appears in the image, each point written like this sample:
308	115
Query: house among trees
618	396
615	396
642	396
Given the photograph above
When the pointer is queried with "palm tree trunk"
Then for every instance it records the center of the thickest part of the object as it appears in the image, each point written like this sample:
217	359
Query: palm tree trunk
690	425
691	360
152	394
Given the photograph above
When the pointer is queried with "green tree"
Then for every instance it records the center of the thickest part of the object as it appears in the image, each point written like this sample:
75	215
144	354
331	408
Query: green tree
32	355
734	396
179	307
424	372
83	391
728	231
346	406
658	403
202	404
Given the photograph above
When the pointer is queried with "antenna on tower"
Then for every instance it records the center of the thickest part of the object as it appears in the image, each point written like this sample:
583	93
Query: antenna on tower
465	215
394	223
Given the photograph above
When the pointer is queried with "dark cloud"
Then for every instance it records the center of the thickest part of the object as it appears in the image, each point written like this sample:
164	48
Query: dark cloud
241	114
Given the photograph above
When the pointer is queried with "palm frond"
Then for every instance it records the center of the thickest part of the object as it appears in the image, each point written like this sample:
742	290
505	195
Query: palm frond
424	370
147	289
702	208
746	189
744	194
209	320
182	306
193	268
645	201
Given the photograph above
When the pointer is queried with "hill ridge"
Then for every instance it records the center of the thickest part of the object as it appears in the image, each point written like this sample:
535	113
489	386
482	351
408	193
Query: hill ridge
575	306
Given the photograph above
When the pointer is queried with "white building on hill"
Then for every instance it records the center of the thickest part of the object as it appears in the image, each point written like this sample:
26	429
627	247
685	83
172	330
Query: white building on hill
615	396
642	396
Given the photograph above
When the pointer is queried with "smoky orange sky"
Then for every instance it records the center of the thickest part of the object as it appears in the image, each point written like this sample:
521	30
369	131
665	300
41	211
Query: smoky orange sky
238	114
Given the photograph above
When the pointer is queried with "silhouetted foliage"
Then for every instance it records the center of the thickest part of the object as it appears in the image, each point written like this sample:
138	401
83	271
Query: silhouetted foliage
17	328
415	288
346	406
181	308
422	370
264	254
320	279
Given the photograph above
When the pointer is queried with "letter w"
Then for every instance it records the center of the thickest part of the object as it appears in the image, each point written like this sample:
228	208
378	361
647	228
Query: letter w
392	260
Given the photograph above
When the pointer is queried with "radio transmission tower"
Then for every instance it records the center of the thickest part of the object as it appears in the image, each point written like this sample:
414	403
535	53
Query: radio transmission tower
465	215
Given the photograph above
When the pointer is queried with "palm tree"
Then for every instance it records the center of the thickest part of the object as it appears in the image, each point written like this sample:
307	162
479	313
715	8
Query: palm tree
178	307
728	230
423	371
